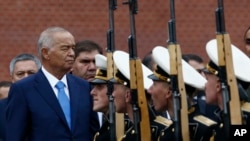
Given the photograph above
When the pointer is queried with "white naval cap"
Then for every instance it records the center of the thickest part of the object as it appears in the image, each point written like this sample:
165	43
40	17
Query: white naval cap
121	60
190	75
241	62
101	72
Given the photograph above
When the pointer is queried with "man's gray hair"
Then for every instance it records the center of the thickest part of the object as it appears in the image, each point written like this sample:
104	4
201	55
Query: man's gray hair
46	38
24	57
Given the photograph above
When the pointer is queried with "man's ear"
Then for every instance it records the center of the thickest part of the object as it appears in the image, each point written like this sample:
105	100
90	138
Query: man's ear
218	85
127	95
168	93
45	53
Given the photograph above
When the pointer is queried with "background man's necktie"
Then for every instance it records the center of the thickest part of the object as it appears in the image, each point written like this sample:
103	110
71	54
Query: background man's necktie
64	101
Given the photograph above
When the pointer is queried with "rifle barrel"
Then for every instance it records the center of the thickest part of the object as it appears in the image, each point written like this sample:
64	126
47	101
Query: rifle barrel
171	24
220	21
110	74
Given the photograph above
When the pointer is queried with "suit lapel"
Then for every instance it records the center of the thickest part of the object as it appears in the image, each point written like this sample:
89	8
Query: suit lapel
74	92
44	89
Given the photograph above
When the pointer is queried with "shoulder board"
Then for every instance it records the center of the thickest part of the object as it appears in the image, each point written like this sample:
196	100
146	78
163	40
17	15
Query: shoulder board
245	106
163	120
204	120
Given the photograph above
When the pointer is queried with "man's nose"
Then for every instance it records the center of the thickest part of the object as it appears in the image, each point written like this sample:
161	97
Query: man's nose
26	74
92	65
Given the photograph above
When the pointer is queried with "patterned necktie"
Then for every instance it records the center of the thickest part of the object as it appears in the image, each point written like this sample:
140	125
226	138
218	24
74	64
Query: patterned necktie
64	101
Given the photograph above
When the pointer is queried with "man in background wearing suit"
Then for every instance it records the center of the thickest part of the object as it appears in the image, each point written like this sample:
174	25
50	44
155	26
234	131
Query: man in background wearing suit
21	66
38	109
84	65
4	90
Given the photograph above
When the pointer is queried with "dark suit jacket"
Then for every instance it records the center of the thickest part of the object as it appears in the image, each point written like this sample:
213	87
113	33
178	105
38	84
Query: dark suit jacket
33	111
3	103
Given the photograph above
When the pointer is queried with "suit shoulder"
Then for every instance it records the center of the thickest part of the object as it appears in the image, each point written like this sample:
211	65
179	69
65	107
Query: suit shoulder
164	121
29	79
76	78
205	120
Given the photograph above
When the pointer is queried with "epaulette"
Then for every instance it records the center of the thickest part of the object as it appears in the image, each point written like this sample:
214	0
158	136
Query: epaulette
204	120
161	120
245	106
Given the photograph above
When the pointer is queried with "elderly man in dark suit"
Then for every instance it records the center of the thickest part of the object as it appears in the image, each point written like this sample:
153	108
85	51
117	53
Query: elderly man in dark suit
39	110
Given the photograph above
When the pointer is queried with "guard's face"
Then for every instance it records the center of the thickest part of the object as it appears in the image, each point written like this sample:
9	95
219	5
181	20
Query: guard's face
23	69
119	93
60	57
100	98
160	93
84	65
212	89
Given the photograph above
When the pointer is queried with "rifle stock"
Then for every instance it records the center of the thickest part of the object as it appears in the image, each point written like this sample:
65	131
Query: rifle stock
116	120
231	100
225	59
178	87
136	83
179	94
139	102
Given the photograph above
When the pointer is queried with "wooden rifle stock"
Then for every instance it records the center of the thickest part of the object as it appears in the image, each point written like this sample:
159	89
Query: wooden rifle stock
225	62
225	59
179	91
116	120
181	117
139	102
136	83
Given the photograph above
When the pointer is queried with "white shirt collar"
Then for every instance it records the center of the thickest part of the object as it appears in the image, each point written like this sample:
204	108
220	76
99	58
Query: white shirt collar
52	79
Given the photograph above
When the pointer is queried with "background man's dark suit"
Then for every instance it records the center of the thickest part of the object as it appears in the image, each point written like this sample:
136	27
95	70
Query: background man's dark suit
3	103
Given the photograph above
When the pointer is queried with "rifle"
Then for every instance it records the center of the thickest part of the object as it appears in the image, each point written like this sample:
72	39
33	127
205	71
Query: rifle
138	97
181	127
115	119
231	101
